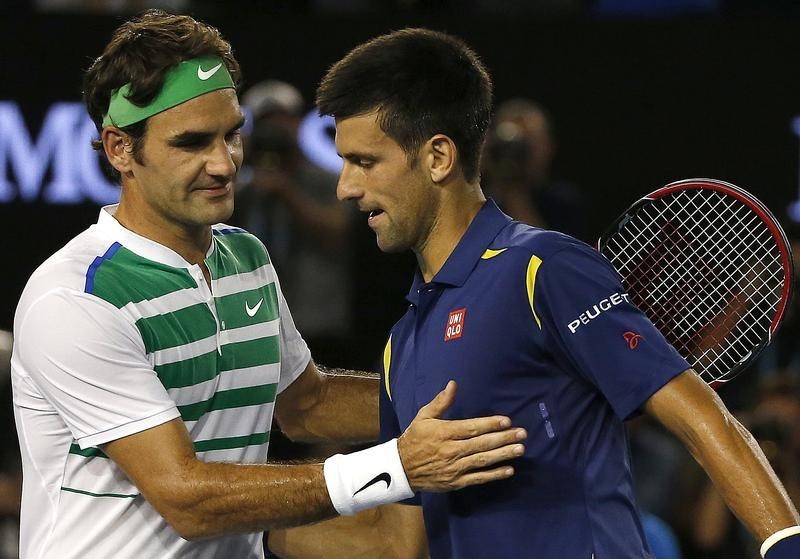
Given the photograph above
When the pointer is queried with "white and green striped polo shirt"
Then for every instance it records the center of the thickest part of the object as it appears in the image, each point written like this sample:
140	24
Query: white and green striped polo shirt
115	334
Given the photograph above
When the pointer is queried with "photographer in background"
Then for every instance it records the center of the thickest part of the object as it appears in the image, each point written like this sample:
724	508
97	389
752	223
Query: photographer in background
290	204
517	171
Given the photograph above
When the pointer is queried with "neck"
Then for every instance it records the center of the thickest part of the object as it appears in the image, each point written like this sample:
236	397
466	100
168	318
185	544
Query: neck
456	212
191	243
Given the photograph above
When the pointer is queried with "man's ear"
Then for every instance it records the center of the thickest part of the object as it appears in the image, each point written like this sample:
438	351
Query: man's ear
118	147
441	156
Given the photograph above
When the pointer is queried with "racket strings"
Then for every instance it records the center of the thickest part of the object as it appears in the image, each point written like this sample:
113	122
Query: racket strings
710	337
703	266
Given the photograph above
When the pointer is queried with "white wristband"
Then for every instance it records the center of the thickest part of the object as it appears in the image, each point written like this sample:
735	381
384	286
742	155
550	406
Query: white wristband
366	479
778	536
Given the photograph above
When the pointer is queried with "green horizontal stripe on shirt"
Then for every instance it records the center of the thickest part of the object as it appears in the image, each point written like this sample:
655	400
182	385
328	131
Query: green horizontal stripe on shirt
127	277
250	353
91	452
233	309
177	328
189	371
226	399
240	355
236	253
231	442
90	494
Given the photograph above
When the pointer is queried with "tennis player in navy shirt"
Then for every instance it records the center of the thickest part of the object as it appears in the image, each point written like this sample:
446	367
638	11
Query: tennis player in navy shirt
530	323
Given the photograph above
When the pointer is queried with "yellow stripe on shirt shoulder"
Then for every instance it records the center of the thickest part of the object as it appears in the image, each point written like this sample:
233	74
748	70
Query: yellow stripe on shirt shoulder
530	283
491	253
387	360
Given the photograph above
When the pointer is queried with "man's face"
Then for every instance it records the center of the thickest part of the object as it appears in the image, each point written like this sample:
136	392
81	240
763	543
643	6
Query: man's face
189	159
398	196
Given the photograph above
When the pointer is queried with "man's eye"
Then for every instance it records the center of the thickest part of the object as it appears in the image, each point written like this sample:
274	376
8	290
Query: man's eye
190	143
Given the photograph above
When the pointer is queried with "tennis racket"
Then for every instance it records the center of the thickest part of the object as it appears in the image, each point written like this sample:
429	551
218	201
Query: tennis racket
710	266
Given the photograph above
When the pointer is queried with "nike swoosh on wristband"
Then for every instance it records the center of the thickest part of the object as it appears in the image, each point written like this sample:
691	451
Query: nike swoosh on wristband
205	74
254	310
383	476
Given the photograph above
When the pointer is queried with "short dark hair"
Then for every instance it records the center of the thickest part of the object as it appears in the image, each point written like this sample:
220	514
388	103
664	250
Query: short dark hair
421	82
141	52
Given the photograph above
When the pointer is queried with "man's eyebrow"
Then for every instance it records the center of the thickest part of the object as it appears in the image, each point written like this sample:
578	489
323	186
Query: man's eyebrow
199	136
190	137
356	155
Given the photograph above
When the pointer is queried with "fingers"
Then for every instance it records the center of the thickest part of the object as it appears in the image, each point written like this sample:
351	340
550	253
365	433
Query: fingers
442	455
476	461
434	460
479	461
440	403
483	476
458	469
461	429
490	441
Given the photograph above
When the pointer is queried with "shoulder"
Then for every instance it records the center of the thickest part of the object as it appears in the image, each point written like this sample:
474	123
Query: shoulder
523	241
70	266
69	272
238	252
538	255
236	238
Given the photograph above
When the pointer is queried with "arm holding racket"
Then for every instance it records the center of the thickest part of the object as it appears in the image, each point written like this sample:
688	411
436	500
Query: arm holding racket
711	267
732	459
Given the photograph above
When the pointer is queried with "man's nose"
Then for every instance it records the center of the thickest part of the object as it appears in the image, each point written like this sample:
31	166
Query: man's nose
346	188
222	160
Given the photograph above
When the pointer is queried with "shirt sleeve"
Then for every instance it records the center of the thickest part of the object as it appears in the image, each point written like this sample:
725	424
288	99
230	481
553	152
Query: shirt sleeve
599	331
89	363
295	354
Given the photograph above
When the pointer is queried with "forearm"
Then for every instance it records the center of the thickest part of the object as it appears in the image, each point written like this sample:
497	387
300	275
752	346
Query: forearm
728	453
200	499
345	410
216	498
744	478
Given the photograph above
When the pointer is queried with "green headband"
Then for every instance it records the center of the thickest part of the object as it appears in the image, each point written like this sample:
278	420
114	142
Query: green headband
187	80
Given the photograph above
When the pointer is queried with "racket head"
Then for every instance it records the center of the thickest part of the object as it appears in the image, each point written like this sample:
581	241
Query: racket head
710	266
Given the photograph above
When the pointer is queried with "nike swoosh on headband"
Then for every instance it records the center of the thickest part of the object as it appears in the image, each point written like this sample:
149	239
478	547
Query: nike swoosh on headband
205	74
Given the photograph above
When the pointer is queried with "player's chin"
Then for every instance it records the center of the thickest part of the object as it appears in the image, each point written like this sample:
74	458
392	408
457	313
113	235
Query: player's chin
390	244
216	210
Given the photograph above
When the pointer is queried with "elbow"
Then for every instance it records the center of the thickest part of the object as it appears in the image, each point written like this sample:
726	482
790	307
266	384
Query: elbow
186	520
189	523
186	529
182	505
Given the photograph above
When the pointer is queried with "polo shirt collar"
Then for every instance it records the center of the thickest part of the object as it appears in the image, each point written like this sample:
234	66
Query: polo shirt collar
144	247
483	229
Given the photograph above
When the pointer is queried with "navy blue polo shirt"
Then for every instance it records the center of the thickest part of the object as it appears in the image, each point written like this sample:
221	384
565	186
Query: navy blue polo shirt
535	325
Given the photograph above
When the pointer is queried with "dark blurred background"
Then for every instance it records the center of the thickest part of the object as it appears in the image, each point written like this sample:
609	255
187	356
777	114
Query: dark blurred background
637	94
636	102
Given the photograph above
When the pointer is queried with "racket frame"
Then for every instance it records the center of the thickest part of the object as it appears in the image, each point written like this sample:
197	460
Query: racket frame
763	213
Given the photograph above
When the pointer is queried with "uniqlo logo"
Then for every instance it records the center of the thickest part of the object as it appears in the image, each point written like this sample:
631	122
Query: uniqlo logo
455	325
